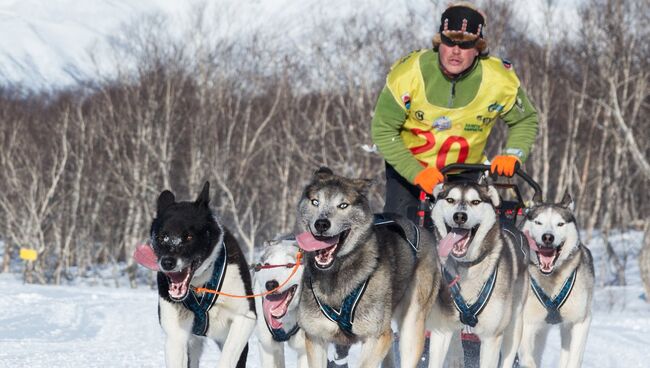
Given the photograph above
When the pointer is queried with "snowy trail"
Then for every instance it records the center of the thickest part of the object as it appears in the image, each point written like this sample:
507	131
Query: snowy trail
100	326
42	326
75	326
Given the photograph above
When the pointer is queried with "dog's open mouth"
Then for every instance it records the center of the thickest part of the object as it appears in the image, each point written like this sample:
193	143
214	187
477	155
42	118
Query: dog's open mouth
546	257
276	305
456	242
179	283
324	246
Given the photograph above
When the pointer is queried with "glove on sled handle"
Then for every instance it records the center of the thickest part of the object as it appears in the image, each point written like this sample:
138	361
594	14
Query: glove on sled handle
481	167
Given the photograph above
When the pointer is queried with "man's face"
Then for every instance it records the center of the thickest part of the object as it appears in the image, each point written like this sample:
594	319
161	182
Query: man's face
456	60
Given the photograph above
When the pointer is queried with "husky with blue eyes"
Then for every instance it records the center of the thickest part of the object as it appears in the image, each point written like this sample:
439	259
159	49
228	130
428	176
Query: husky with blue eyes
561	273
362	270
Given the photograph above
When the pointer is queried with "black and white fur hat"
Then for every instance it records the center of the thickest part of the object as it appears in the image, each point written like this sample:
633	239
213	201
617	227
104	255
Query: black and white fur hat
462	22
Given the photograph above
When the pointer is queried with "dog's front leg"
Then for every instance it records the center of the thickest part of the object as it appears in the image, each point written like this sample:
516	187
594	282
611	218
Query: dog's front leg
529	339
438	347
373	351
176	349
272	354
195	349
578	340
240	330
490	349
412	334
316	352
177	335
512	340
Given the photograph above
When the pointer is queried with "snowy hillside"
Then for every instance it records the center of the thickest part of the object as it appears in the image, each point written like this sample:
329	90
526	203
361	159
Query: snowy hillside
58	42
83	326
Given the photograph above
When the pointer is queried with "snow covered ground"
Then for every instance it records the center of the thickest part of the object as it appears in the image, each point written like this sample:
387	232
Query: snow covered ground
101	326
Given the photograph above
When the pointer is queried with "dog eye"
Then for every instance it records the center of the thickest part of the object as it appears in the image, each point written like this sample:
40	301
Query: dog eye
538	223
476	202
450	200
188	237
343	205
315	202
560	224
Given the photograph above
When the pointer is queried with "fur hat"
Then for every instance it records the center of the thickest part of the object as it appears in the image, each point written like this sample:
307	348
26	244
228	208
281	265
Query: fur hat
462	22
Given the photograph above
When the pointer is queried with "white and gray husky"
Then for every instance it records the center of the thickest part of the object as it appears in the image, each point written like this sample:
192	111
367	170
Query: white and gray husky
361	273
562	281
277	321
190	249
484	273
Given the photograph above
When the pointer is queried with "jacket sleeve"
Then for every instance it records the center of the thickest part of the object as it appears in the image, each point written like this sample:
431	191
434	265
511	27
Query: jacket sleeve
387	122
522	127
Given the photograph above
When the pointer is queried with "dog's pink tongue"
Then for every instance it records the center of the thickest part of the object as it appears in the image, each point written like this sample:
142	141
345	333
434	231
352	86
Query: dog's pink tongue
146	257
447	243
531	242
274	307
308	243
546	257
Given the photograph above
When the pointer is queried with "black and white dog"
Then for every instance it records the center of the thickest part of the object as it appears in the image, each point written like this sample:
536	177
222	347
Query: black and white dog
190	250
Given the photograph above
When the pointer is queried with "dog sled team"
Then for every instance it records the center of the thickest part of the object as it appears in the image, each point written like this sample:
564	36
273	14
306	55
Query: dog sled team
446	255
349	275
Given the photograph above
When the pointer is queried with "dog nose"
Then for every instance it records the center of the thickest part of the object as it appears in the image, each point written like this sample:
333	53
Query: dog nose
460	218
167	263
272	284
322	225
548	238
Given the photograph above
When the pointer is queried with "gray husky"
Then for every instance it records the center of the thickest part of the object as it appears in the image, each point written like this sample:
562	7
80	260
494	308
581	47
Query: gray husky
484	273
562	282
278	312
191	249
361	271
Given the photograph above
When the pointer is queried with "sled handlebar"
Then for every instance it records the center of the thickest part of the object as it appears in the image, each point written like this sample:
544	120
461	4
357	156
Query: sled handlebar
481	167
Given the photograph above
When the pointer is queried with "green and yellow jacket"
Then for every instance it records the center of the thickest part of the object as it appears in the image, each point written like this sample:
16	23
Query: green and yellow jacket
424	118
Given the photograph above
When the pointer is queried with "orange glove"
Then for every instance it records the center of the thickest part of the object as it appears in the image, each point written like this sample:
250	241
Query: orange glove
504	165
428	178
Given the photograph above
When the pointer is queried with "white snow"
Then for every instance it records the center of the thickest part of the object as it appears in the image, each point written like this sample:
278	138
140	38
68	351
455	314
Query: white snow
101	326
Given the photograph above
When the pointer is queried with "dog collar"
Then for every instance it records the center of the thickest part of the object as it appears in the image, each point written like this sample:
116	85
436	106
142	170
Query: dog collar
344	317
469	312
553	305
279	334
201	304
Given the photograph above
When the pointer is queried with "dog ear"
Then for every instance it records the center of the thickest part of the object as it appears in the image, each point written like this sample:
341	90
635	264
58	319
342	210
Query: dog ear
323	172
537	199
362	185
165	199
567	201
438	189
204	197
493	194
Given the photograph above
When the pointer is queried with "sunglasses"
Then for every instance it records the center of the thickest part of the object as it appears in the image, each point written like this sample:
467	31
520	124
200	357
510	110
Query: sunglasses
465	45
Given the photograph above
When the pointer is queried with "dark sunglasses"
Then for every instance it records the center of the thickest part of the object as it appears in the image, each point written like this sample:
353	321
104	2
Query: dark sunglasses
465	45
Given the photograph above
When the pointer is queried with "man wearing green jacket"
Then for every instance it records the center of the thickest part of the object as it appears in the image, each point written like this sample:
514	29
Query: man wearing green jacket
439	105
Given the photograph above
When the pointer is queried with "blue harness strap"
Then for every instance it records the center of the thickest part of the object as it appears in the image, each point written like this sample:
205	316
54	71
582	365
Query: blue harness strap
469	313
200	305
280	335
384	219
553	305
344	317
